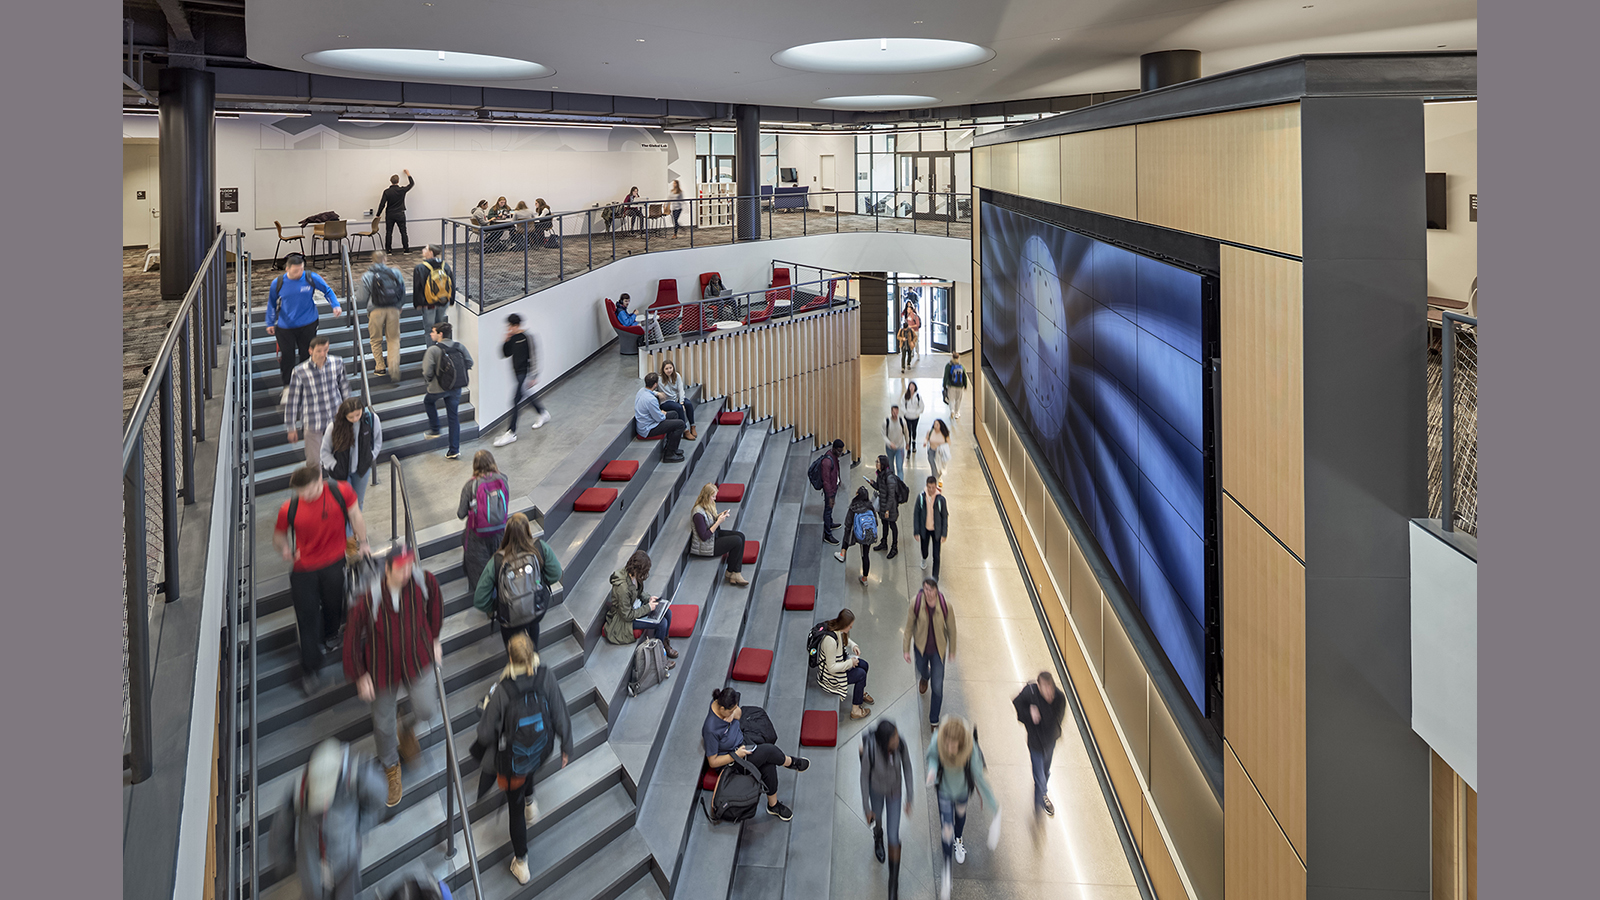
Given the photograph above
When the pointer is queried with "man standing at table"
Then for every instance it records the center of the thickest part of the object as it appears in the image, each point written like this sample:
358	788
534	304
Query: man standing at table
394	200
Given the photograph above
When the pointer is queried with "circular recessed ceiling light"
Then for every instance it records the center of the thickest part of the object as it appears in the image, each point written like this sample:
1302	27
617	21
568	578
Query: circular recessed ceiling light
882	56
879	101
395	62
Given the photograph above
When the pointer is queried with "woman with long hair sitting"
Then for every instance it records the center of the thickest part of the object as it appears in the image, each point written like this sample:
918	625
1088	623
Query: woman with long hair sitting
842	671
708	538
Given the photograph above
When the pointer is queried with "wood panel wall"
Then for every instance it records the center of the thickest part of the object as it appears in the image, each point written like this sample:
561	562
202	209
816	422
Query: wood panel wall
1098	172
1260	864
1455	834
1039	169
803	371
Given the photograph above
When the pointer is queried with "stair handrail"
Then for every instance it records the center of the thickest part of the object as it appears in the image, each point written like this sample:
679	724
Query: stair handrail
399	499
360	351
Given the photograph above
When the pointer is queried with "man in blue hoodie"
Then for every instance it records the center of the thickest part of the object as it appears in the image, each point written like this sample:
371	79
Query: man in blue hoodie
292	314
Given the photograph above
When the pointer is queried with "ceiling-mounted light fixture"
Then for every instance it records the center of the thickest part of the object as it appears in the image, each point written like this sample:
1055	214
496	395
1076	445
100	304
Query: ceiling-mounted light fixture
879	101
883	43
877	56
410	63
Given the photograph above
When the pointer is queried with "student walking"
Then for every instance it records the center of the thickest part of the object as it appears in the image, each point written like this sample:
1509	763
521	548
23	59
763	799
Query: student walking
316	388
1040	708
394	200
955	769
523	564
518	348
651	420
674	394
382	289
391	641
445	384
931	521
310	534
433	288
891	493
896	438
930	640
860	527
885	767
292	314
350	446
485	504
907	340
628	604
938	449
707	537
512	747
828	471
675	196
955	384
914	321
841	670
724	739
911	407
337	798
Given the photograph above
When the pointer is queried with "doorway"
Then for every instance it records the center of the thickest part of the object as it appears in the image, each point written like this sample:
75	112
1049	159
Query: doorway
825	167
141	185
933	300
930	177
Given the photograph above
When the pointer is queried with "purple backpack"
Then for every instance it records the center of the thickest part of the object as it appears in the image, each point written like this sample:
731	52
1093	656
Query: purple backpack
489	507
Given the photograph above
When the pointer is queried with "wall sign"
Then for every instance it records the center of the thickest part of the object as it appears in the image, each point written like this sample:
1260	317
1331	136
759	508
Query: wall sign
230	200
1472	211
652	146
140	196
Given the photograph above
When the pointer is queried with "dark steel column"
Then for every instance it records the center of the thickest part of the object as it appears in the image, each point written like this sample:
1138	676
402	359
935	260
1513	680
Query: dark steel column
1164	67
188	175
747	170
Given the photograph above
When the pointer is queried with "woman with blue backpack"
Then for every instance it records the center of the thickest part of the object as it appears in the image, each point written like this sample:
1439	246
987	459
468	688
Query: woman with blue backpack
522	717
861	527
485	504
513	578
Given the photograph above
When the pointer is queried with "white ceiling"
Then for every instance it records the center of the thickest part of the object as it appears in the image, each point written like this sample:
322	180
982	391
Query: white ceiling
721	50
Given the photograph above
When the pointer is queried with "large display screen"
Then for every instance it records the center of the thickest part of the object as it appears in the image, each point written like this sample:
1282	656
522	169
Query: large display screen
1101	350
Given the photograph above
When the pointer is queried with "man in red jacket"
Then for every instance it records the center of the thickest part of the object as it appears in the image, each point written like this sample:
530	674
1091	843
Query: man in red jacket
314	542
391	640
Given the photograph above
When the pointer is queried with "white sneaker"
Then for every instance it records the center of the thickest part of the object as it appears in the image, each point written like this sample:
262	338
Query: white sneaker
924	562
530	810
519	870
839	556
283	397
504	439
543	418
960	852
944	884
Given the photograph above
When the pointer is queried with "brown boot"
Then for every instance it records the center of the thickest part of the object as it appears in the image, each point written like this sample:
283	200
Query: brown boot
671	653
395	789
691	434
737	580
409	748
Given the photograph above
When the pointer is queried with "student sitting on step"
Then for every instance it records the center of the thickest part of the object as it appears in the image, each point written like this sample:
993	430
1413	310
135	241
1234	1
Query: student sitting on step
629	603
726	739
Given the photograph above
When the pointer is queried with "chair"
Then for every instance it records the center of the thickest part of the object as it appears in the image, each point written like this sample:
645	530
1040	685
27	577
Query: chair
764	313
299	239
658	212
335	232
705	279
666	293
666	306
371	235
628	335
820	300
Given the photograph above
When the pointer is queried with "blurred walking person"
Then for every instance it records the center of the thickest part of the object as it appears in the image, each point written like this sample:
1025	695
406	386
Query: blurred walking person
1040	708
885	767
930	642
337	799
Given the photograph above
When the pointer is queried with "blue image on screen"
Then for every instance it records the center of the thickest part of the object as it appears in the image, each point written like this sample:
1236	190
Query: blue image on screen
1099	349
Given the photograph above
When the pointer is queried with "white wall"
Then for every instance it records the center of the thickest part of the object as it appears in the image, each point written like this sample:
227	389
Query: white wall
804	152
1451	131
1444	651
140	172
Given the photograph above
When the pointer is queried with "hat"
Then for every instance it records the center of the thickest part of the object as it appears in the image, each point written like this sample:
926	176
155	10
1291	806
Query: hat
402	556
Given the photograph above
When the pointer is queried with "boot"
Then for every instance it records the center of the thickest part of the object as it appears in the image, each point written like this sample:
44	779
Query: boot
893	551
671	653
410	749
393	774
882	546
691	434
877	840
894	873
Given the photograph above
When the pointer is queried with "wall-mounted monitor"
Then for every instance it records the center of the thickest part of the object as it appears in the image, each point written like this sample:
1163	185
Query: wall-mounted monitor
788	175
1436	205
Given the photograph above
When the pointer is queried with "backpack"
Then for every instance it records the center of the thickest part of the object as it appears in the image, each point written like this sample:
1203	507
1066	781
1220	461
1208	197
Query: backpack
814	644
815	472
438	289
452	371
649	666
523	596
737	794
489	507
385	288
416	887
552	241
958	375
525	730
757	726
866	527
901	492
294	507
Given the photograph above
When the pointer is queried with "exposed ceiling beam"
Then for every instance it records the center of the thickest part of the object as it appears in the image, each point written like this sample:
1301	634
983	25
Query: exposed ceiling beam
176	20
138	88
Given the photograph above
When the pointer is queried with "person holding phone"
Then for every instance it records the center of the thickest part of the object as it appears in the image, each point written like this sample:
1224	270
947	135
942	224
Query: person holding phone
707	537
725	740
629	603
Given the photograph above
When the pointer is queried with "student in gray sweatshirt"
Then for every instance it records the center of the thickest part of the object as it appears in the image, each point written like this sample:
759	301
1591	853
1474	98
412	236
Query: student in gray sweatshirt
885	766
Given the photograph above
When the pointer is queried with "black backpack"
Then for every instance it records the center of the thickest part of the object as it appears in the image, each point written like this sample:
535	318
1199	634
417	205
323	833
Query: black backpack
737	795
452	371
814	644
901	492
525	731
386	289
815	472
521	592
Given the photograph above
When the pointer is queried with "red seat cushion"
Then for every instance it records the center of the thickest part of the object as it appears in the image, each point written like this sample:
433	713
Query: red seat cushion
684	616
730	493
708	779
819	728
731	418
639	437
619	470
595	499
800	597
751	550
752	665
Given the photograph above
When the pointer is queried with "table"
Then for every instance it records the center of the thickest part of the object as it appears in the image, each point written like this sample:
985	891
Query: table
728	325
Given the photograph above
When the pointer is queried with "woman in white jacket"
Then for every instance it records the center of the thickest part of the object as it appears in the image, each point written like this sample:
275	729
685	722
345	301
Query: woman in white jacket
938	449
911	410
842	671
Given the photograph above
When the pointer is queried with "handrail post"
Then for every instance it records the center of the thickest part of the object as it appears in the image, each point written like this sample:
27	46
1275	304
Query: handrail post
694	211
169	491
193	421
138	612
561	248
1447	444
588	232
527	247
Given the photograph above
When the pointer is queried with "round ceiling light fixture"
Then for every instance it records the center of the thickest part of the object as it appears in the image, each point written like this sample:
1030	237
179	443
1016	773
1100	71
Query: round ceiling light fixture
882	56
405	63
879	101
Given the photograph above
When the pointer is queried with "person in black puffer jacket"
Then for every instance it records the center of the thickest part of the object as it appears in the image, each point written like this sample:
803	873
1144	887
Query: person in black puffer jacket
862	503
889	488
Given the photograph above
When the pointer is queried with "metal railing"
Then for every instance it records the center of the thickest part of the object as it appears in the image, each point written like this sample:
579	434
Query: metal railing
158	449
668	323
399	500
1453	423
502	261
240	640
360	352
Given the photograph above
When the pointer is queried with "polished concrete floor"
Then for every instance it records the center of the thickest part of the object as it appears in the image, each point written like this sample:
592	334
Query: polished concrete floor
1077	853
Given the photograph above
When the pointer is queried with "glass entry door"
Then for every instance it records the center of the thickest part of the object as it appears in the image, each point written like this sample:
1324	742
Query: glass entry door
939	316
930	177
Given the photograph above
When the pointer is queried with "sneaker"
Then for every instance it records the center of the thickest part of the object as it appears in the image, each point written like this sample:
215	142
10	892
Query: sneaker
530	811
519	870
283	397
310	684
430	434
944	883
1049	808
543	418
452	454
781	811
882	546
839	556
924	562
509	437
799	763
395	790
893	552
830	539
960	852
863	579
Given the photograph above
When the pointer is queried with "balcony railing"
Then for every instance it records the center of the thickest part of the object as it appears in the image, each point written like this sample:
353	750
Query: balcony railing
1453	423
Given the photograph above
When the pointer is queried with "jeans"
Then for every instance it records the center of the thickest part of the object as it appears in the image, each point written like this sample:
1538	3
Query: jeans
424	696
827	515
431	316
887	811
672	427
930	667
675	214
952	821
905	355
383	324
661	631
897	458
518	395
684	409
359	484
866	548
857	676
476	551
318	610
452	408
388	232
933	461
294	347
1041	771
927	537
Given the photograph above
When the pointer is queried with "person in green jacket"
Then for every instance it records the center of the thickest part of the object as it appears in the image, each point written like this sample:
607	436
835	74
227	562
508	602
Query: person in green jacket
629	603
519	541
955	767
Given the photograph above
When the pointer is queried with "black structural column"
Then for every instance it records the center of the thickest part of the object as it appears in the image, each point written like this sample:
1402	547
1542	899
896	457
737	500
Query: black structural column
747	169
1164	67
875	324
188	175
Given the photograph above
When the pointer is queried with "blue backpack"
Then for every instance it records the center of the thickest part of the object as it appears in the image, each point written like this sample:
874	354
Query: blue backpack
866	527
526	731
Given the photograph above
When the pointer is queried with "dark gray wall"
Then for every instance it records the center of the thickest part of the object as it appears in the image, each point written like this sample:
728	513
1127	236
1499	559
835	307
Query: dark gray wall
874	313
1365	246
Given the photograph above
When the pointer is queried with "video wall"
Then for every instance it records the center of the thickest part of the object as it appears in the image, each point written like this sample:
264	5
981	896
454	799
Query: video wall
1101	351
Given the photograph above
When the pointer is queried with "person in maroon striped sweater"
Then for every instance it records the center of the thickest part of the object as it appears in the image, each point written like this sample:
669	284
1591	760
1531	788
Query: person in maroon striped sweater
392	641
